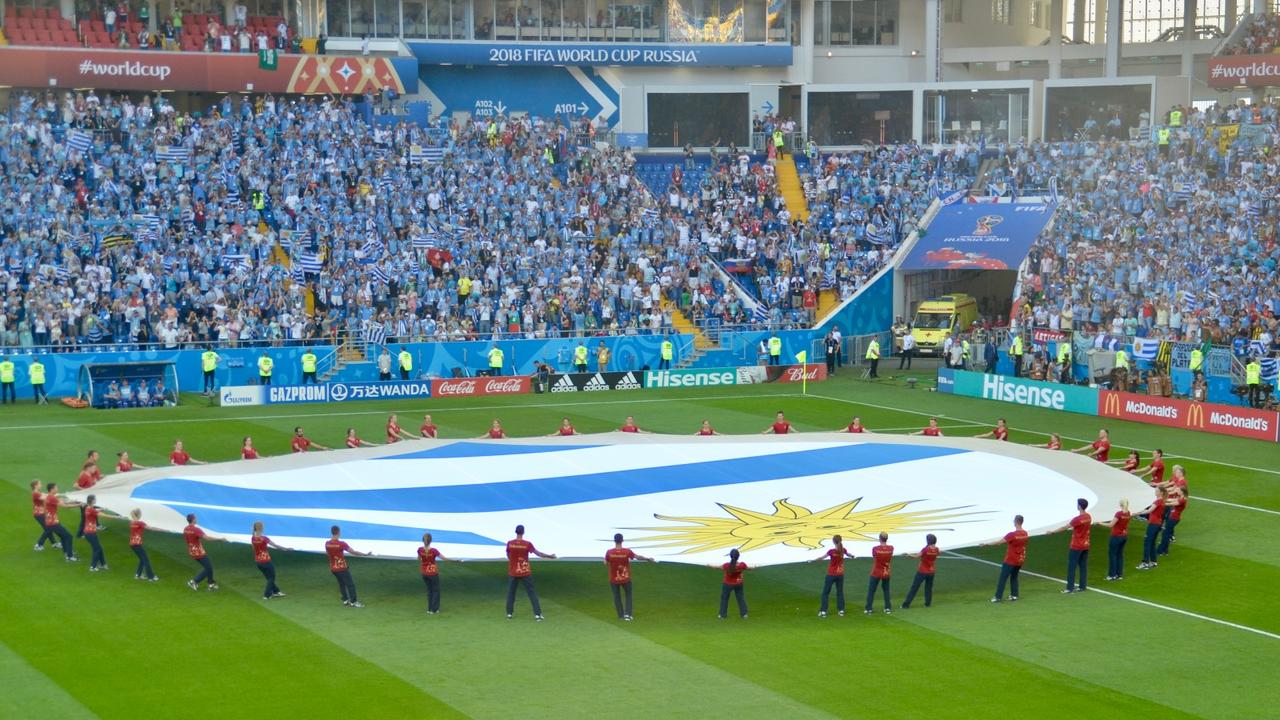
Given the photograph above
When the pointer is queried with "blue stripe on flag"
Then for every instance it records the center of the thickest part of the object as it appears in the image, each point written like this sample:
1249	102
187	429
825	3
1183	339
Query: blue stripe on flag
222	521
482	449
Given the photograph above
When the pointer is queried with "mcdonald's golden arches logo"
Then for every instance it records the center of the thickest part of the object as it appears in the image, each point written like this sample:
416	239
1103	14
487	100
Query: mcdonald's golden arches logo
1112	404
1195	416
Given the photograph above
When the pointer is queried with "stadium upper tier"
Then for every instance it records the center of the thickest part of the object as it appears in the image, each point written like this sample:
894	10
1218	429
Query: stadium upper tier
1259	34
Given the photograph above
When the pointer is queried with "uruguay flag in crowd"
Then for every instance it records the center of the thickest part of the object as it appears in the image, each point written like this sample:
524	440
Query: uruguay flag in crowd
308	262
79	141
1270	369
419	155
172	153
1145	348
375	333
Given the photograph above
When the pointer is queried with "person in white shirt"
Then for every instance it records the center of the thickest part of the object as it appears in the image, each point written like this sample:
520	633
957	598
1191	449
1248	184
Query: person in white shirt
908	350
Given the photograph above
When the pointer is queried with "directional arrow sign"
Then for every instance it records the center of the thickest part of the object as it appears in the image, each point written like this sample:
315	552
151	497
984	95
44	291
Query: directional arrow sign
767	107
500	107
583	107
542	91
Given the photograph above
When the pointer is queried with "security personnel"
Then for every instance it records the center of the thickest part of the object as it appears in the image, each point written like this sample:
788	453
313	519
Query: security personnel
964	353
1175	117
1121	371
308	367
602	357
667	351
779	143
7	391
873	358
1197	361
259	200
1162	139
775	350
1064	360
265	365
406	363
208	363
1253	378
36	373
1016	351
580	357
495	361
548	156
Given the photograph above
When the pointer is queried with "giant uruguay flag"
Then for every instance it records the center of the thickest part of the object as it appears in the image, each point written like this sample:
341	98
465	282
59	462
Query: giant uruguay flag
683	499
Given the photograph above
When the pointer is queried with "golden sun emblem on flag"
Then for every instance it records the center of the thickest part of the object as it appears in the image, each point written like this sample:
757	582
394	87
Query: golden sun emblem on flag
796	526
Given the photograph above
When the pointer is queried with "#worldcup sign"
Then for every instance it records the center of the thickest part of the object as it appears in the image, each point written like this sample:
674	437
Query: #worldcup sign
682	499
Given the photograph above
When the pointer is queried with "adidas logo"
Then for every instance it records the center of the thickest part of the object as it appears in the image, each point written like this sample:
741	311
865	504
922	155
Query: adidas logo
563	385
595	384
628	382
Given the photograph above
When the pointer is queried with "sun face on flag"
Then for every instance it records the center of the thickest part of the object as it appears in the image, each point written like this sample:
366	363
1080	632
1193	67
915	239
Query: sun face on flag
796	526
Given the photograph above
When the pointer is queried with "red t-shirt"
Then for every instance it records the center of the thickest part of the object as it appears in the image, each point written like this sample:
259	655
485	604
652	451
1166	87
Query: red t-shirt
735	577
1000	433
86	480
427	558
1105	447
51	504
782	427
932	432
835	562
37	502
704	431
1175	513
566	430
855	428
261	551
1121	526
248	453
1055	445
619	560
1080	525
518	558
1157	470
1130	465
928	556
299	444
496	434
630	428
335	550
1016	553
354	442
393	432
428	430
1155	517
195	546
179	457
91	520
124	466
136	528
882	555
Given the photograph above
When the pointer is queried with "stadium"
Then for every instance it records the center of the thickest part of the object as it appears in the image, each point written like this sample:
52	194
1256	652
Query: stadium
688	356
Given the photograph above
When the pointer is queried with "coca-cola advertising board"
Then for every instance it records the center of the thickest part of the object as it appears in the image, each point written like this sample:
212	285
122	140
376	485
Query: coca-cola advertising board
479	386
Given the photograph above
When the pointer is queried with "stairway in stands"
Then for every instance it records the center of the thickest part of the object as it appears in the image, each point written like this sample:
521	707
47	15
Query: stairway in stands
792	190
681	323
827	301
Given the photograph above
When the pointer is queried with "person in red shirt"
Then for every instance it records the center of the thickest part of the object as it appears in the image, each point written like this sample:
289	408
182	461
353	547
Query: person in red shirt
566	428
495	430
618	560
932	431
1130	463
835	575
1155	517
136	529
428	558
630	426
855	426
353	440
519	572
1119	524
924	573
394	432
1055	442
124	464
247	450
180	456
1099	449
999	432
52	527
262	557
780	426
89	476
97	559
1178	479
706	429
1015	555
732	585
428	428
1156	469
195	536
37	511
300	443
335	549
1078	553
1171	519
882	557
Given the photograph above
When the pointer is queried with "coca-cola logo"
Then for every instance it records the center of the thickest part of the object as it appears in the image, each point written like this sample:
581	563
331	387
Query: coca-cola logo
503	385
455	387
471	387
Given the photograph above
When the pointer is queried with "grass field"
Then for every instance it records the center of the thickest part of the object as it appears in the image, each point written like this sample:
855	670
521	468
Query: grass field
1198	637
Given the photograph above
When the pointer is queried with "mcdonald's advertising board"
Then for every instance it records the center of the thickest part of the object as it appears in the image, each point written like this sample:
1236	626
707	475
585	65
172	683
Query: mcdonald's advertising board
1232	420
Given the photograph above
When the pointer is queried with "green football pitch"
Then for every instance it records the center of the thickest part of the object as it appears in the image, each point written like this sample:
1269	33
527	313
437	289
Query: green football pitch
1197	637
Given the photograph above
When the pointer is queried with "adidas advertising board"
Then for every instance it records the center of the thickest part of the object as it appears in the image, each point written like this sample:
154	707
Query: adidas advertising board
595	382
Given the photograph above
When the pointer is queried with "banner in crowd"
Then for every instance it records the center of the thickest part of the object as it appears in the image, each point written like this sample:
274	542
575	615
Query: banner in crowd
596	382
1248	70
980	236
699	377
478	386
201	72
1019	391
1235	420
238	395
552	54
1045	335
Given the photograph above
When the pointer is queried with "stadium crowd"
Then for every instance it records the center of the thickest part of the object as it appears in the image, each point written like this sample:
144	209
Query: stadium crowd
1261	36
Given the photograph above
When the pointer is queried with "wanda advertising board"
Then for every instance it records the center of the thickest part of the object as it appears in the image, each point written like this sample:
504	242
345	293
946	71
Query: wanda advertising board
478	386
196	72
1233	420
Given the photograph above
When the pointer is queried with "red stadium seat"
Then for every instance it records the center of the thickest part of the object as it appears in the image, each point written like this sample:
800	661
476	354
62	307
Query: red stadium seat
21	23
98	26
24	12
42	37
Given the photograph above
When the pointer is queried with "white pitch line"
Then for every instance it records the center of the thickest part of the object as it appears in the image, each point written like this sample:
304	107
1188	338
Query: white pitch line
1068	437
1139	601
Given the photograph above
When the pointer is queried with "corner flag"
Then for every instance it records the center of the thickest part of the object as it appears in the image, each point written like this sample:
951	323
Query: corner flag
802	357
